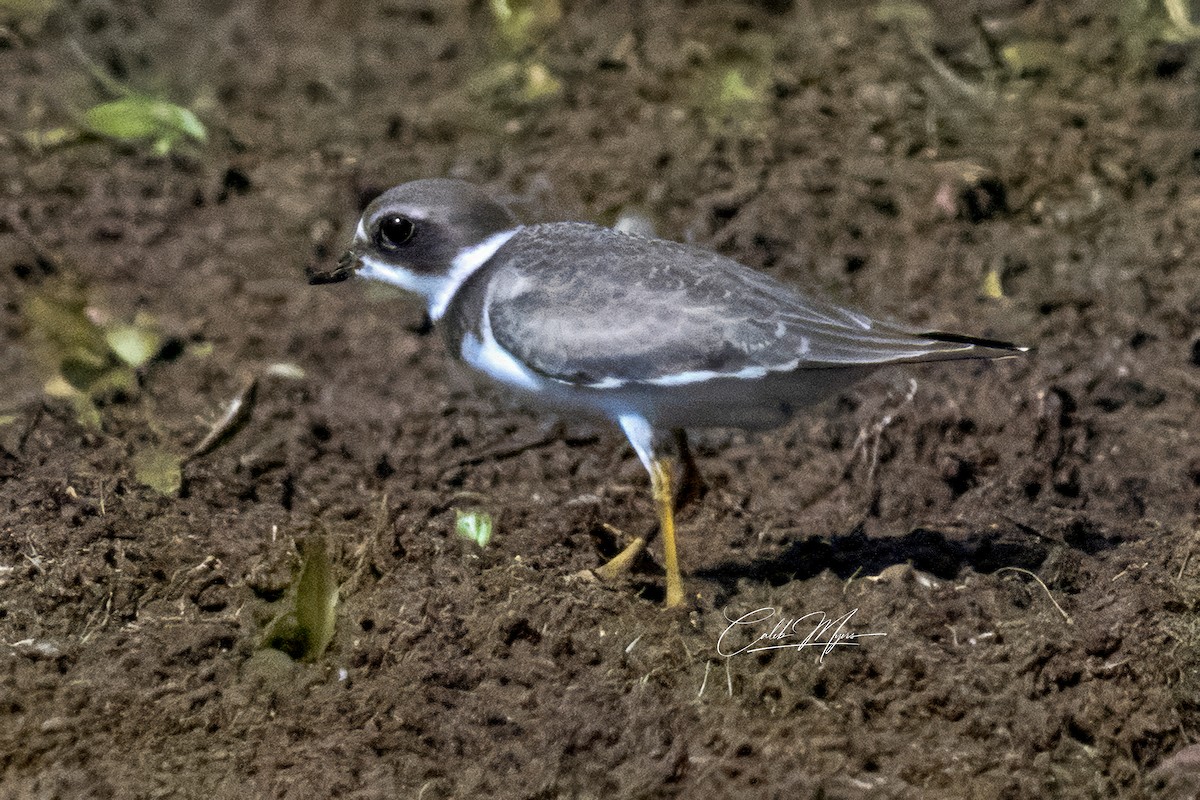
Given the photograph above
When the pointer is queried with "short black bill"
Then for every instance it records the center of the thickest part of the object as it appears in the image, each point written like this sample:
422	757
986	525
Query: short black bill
346	266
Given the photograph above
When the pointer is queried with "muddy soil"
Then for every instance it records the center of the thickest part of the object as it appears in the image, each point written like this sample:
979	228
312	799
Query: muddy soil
1024	532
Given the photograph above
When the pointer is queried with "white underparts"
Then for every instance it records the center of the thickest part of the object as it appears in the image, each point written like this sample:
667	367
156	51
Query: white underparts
491	359
639	433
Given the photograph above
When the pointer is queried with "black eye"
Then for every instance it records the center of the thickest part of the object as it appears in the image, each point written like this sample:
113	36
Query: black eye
394	231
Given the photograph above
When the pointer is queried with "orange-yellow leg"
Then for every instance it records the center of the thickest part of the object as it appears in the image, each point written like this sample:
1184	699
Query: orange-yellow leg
660	485
643	438
622	562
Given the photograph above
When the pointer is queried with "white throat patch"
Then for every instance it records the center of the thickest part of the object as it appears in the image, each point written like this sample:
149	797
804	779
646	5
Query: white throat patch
424	285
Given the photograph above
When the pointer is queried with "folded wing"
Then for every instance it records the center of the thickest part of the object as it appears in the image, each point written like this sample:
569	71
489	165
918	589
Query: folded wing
602	308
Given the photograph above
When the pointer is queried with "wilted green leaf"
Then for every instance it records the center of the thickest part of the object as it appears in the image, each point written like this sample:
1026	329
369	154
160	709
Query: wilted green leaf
1032	57
58	317
7	419
136	118
160	469
306	628
475	526
992	287
51	137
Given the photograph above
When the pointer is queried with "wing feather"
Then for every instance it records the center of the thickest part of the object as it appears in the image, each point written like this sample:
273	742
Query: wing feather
588	305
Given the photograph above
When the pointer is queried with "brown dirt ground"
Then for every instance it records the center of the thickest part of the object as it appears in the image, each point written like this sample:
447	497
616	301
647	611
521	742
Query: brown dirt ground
128	620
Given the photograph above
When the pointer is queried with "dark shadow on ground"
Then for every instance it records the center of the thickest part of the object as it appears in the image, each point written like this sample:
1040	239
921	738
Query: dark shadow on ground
942	554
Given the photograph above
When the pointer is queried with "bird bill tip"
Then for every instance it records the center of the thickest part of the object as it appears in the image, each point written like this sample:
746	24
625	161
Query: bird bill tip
347	265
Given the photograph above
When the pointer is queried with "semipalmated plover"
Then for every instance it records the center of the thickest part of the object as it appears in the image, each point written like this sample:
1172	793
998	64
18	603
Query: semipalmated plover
656	336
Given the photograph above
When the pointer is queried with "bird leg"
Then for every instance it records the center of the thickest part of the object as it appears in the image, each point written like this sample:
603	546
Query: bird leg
692	486
648	444
622	562
660	485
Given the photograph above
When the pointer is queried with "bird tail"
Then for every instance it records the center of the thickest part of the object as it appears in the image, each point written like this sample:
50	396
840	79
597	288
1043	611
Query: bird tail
945	346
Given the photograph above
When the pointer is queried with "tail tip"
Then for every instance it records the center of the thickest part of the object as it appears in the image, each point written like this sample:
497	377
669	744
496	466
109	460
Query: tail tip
976	341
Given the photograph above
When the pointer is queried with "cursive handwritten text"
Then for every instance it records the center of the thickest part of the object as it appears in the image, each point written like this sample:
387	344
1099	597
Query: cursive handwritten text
813	630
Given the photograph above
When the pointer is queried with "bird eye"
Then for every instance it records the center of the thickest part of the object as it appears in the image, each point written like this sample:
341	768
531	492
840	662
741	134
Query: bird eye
394	231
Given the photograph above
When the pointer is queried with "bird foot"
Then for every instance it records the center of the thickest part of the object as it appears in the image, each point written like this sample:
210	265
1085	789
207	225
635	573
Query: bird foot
622	562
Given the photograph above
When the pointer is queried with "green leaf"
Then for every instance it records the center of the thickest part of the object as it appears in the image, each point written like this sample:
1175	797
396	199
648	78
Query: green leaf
540	83
59	318
200	349
316	599
51	137
83	372
305	629
181	119
1032	57
129	118
133	344
160	469
734	89
136	118
475	526
118	379
992	288
86	411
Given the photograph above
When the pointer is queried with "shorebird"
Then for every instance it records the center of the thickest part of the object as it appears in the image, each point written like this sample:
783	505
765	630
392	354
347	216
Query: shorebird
656	336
